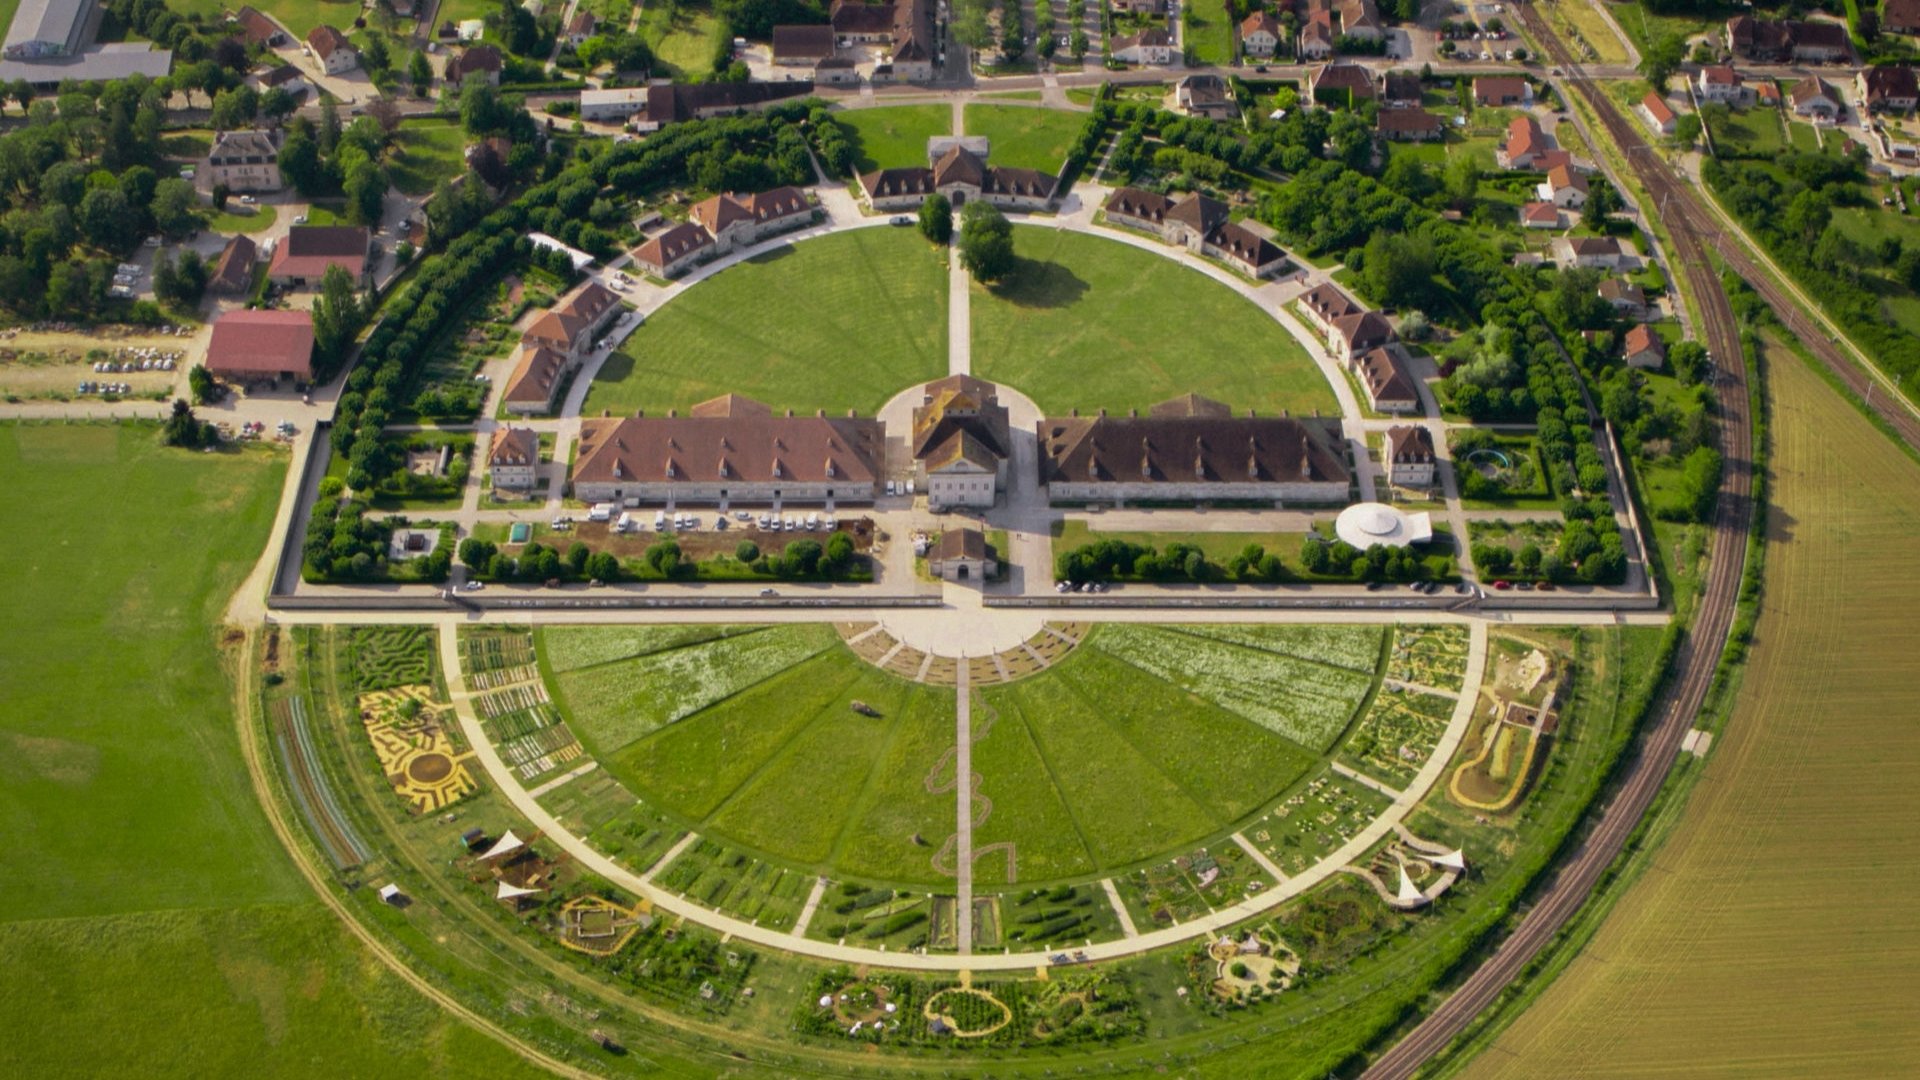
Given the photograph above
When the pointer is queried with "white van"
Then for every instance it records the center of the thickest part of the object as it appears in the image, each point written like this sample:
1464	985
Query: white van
601	512
659	520
813	522
624	523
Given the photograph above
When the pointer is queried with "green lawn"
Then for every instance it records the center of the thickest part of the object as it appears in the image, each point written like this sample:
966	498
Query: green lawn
839	322
1754	133
1803	136
298	16
1208	33
894	137
423	154
186	145
154	926
682	36
1087	323
237	219
1026	138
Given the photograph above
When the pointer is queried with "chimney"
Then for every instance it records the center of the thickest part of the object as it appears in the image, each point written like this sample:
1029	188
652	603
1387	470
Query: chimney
789	413
1075	412
673	413
1134	413
1103	414
820	413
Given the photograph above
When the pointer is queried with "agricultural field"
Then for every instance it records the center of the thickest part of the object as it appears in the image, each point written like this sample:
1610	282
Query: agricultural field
1788	951
1308	703
1026	138
154	926
1080	324
614	703
841	322
893	136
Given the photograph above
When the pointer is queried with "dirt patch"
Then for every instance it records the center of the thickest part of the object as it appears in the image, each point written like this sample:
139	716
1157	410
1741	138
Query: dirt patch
429	768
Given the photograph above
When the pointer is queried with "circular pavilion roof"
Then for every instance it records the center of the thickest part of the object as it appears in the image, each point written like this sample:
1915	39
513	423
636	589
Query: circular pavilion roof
1365	524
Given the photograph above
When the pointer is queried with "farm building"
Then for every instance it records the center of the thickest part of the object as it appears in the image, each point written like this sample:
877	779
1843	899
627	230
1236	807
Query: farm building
261	346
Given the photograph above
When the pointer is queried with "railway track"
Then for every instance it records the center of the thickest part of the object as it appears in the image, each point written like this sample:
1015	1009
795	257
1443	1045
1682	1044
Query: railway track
1570	884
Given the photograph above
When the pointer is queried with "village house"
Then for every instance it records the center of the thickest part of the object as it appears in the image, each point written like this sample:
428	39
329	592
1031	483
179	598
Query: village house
244	161
582	26
1588	252
1525	143
1360	20
1324	304
1624	297
1657	113
1891	88
1384	377
1342	80
729	449
1540	215
1192	448
1261	34
513	461
1564	188
331	47
233	273
1767	40
303	255
571	325
1721	84
962	554
674	249
737	221
1409	125
1643	348
1501	91
1206	95
959	174
535	380
261	346
1411	460
856	22
1358	334
1900	17
482	62
1152	46
802	46
1315	39
961	443
1812	97
1199	224
1401	89
258	29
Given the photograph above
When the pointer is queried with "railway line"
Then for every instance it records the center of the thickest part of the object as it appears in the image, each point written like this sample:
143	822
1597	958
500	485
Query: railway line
1692	227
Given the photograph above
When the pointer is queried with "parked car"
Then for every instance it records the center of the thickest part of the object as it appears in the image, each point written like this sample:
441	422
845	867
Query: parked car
900	219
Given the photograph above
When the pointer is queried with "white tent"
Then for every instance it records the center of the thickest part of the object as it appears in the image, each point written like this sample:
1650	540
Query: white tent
1408	893
1452	860
502	846
512	892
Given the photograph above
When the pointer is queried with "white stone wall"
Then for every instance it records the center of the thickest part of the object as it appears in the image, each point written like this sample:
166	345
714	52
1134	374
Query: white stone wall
1295	491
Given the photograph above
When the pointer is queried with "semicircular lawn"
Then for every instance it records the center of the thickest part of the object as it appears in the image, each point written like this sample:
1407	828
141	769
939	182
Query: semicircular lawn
783	743
837	322
1089	323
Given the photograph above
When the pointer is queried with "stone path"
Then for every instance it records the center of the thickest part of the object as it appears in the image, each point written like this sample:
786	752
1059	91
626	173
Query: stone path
1120	909
564	778
1364	780
959	316
963	799
1260	857
812	905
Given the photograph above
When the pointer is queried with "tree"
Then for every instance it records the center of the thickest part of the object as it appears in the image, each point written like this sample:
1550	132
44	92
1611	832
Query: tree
205	390
936	219
1686	131
1462	179
1397	269
375	57
1603	200
602	566
235	108
366	189
746	552
837	556
107	220
1661	60
336	314
477	553
385	112
176	206
420	73
276	105
183	428
986	243
300	160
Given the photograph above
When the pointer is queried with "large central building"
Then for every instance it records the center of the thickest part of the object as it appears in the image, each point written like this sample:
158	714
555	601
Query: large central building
1192	449
729	449
961	442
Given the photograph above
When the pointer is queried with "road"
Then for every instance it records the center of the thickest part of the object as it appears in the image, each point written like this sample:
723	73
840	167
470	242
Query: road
1693	229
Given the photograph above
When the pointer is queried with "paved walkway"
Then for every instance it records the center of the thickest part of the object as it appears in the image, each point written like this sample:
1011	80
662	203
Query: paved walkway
553	832
963	797
959	316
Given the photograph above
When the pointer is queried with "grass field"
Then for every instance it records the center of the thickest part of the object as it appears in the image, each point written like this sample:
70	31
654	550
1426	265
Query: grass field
298	16
1586	20
232	220
1084	323
154	927
894	136
682	36
1754	133
1776	932
836	323
1025	138
1208	34
426	153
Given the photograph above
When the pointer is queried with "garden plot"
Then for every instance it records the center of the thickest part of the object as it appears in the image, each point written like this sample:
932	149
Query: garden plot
1398	734
1356	648
873	918
1315	821
614	704
570	648
1434	656
728	881
1064	914
513	699
1307	702
1191	885
487	649
387	656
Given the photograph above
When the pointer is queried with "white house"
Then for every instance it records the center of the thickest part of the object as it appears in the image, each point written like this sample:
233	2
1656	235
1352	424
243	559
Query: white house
1151	46
1657	113
514	459
335	53
1564	188
1410	456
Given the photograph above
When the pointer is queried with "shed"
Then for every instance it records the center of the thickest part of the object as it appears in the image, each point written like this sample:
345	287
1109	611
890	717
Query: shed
963	555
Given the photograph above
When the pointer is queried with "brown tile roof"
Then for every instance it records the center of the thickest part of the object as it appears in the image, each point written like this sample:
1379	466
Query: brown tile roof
1641	338
1540	211
1497	88
1408	121
1720	75
914	33
805	42
721	211
262	343
1891	81
1199	213
1364	330
673	102
960	404
1622	289
1593	245
1189	449
234	272
1190	404
1810	88
583	309
855	17
478	60
325	40
735	442
1401	86
962	446
673	244
1657	108
1339	76
282	75
1563	176
1243	245
1410	444
959	166
256	27
514	446
1135	203
1261	20
1329	303
961	544
583	24
307	250
1524	138
1384	377
536	376
1900	15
